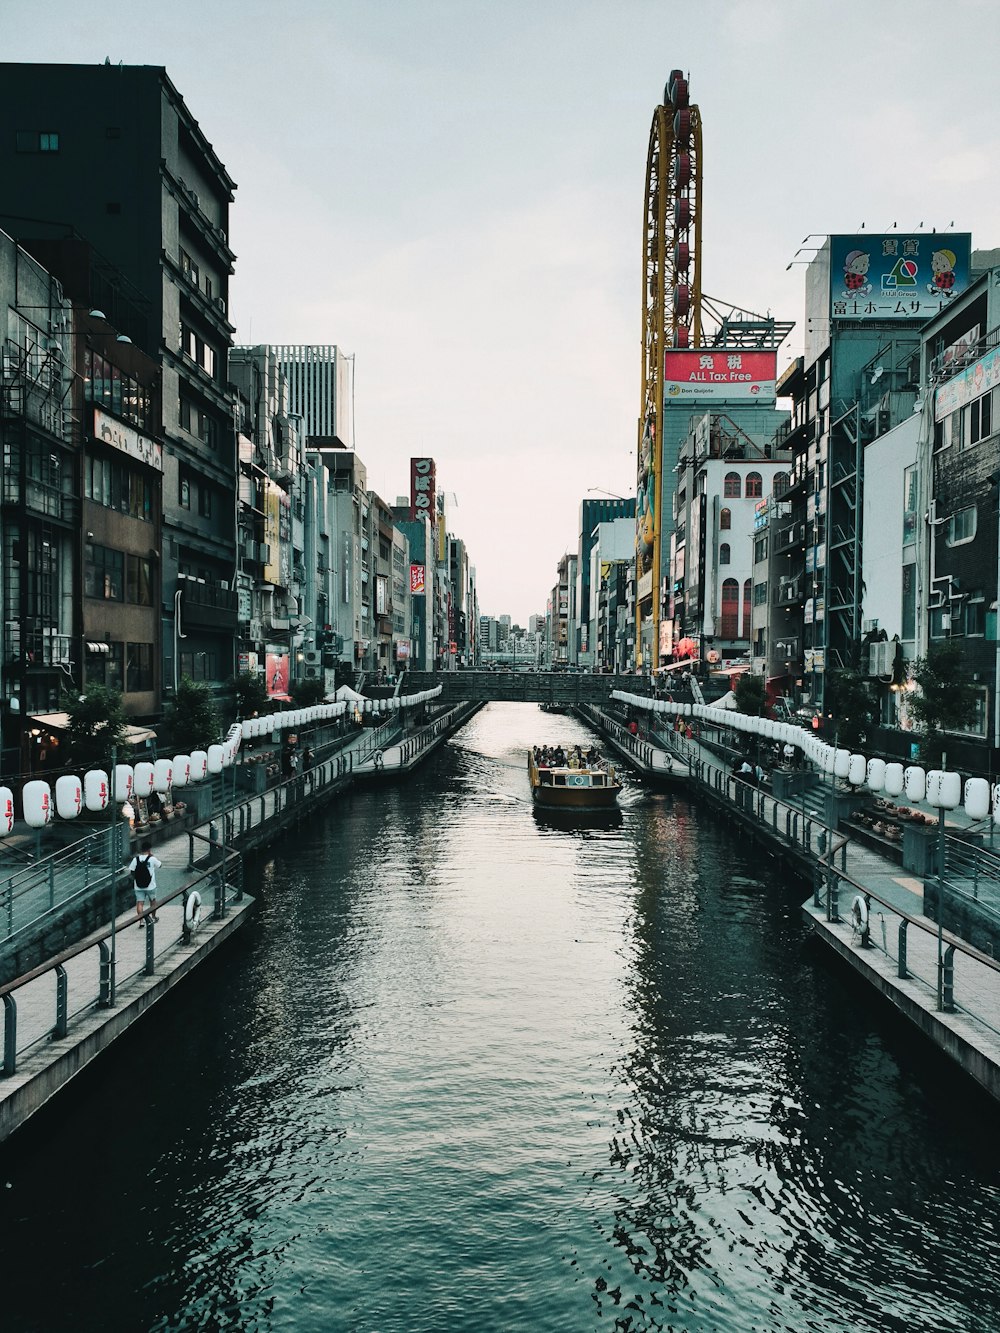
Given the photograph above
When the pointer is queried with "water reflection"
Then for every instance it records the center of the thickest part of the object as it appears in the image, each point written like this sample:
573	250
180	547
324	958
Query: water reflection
468	1070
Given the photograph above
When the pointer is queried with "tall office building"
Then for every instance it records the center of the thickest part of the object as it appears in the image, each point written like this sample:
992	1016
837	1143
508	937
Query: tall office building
321	390
112	153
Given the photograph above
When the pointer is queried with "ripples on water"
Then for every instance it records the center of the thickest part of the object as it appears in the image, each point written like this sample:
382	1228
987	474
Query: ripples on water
468	1070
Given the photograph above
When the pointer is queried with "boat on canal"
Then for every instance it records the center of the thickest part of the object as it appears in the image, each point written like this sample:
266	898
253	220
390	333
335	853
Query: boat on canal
572	786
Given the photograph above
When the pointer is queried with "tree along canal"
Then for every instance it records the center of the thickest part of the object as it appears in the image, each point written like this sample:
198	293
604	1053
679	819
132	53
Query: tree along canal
467	1071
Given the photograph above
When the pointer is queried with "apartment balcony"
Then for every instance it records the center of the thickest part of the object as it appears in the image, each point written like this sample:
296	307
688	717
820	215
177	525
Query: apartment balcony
207	606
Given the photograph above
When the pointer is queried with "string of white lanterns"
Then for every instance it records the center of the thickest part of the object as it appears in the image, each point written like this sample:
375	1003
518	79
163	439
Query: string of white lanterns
94	792
941	789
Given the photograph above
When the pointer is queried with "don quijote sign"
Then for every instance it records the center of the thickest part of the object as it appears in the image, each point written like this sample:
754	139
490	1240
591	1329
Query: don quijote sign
720	374
422	488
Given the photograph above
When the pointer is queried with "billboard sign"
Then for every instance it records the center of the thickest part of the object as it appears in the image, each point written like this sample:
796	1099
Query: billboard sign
977	379
423	499
128	440
277	673
719	374
897	276
417	577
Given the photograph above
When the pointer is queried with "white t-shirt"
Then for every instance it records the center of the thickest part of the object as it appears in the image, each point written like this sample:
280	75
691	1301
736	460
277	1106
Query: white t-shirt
154	865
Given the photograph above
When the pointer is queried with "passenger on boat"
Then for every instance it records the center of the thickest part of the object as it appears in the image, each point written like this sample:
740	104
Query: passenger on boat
593	758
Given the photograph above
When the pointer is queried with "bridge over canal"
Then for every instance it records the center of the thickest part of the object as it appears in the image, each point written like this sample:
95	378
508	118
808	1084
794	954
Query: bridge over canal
567	688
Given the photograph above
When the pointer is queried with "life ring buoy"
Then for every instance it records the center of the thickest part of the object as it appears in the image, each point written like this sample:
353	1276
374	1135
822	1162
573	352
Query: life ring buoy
192	909
378	759
859	914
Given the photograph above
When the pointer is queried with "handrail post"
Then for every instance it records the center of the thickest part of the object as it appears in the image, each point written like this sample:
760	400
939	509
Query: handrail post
948	980
62	1002
105	993
9	1035
901	970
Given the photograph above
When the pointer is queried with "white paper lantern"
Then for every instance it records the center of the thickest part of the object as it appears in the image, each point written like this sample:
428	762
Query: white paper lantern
876	774
199	765
858	770
893	779
996	802
36	799
96	790
216	758
915	782
6	810
69	796
247	728
977	798
124	784
944	790
182	770
163	775
841	763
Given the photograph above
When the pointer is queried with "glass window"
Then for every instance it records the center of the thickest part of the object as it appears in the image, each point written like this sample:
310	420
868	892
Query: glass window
729	621
103	573
747	598
724	554
184	495
975	615
732	487
962	526
140	585
725	519
204	502
48	142
139	667
977	422
780	484
754	486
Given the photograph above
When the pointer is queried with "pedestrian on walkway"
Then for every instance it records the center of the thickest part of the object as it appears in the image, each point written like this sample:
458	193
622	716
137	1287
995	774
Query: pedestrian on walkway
143	868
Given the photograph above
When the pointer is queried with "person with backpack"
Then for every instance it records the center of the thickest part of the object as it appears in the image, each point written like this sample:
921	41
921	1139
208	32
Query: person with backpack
143	868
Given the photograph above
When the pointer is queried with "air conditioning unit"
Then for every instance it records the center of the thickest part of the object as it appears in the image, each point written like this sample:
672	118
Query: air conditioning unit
312	657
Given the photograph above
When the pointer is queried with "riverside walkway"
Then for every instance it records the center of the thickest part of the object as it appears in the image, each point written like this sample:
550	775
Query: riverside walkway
877	917
63	1012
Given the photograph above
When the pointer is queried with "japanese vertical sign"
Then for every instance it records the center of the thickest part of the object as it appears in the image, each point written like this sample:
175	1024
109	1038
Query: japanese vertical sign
897	276
416	578
422	489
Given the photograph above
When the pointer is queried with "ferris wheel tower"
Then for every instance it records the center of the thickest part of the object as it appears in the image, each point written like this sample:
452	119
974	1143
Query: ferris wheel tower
671	317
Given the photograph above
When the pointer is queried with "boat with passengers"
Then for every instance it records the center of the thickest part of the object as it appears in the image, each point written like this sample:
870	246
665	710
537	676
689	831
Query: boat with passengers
571	780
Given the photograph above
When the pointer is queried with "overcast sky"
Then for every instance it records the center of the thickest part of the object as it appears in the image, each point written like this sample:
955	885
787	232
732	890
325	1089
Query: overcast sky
452	190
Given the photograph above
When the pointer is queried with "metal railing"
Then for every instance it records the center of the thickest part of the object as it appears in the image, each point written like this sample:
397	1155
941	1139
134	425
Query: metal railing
38	892
105	979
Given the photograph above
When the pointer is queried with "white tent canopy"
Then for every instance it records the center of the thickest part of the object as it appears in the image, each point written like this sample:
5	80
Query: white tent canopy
345	692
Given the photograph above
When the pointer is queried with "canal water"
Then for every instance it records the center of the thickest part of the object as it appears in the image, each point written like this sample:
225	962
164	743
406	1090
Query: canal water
467	1071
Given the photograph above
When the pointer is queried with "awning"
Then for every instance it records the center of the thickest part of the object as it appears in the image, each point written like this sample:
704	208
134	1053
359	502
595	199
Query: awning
98	647
60	722
686	665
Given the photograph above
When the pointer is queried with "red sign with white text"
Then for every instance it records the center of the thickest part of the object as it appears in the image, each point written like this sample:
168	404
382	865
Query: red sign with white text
422	488
416	578
720	374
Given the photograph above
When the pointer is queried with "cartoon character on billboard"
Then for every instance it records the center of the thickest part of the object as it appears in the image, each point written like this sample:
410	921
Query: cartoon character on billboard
942	273
645	494
855	273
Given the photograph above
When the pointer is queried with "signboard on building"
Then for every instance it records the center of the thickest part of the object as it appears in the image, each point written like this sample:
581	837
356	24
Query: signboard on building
417	576
423	481
276	673
897	276
402	649
719	374
968	384
126	438
278	536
